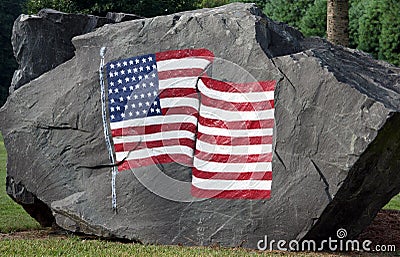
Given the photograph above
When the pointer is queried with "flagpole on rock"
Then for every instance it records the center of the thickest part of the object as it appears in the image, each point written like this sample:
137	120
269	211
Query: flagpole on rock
106	130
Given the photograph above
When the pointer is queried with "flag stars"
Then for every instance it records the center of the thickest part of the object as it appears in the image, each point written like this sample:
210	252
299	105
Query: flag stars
126	107
121	99
112	117
110	91
116	90
152	110
142	95
131	88
148	94
112	100
126	79
120	81
112	66
144	60
129	71
130	114
135	70
137	86
125	63
137	113
112	83
111	74
133	78
158	110
150	58
136	96
133	106
148	68
144	111
123	115
116	74
122	72
146	76
128	98
154	67
118	64
118	108
148	103
124	89
144	85
155	103
140	68
112	109
154	93
137	61
151	84
140	104
131	62
140	77
153	75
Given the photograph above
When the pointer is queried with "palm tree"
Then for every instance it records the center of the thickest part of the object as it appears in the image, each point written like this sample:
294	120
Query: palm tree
338	22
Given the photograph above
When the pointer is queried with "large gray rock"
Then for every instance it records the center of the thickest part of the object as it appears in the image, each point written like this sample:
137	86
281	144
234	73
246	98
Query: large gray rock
336	145
42	42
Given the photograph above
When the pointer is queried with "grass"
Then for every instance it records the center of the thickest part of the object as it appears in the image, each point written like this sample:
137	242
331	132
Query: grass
13	218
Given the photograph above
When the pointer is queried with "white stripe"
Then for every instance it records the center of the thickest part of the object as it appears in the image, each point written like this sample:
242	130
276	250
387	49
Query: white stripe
180	102
216	113
150	152
225	185
234	132
154	120
175	134
236	149
181	82
236	97
231	167
183	63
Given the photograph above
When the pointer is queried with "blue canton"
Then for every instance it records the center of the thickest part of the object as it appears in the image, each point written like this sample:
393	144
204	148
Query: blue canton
133	88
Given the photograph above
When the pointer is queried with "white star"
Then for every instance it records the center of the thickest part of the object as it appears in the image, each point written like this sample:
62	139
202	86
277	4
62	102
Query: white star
158	110
112	109
137	113
122	72
144	60
148	94
128	97
140	104
116	73
131	88
129	71
123	115
112	66
133	78
144	111
151	84
137	61
121	99
111	74
147	103
116	90
141	68
155	93
118	108
155	103
112	100
112	117
152	110
131	62
148	67
126	79
153	75
112	83
142	96
124	89
133	106
137	86
126	107
120	81
150	58
144	85
140	77
135	96
130	114
110	91
125	63
146	76
118	64
135	70
154	67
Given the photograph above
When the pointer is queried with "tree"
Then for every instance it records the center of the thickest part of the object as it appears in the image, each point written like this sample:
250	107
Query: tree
9	11
313	22
287	11
338	21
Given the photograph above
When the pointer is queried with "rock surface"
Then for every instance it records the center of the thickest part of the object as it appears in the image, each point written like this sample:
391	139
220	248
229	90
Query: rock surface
42	42
336	145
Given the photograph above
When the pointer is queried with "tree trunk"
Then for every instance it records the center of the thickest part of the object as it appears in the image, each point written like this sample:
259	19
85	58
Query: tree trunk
338	22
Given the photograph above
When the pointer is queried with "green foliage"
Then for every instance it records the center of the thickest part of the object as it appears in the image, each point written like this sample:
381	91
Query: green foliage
212	3
287	11
9	11
313	23
389	40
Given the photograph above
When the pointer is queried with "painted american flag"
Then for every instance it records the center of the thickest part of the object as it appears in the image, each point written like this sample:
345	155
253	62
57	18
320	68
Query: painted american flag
233	157
153	106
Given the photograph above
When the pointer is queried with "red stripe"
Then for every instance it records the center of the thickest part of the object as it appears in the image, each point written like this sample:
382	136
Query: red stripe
130	146
160	159
267	175
233	158
184	53
179	92
259	86
223	140
195	72
150	129
245	124
242	107
186	110
231	194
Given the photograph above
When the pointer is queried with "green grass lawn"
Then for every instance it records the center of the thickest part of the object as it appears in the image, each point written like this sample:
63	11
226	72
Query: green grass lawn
14	218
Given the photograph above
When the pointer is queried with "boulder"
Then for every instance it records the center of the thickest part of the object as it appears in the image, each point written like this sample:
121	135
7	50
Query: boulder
42	42
336	142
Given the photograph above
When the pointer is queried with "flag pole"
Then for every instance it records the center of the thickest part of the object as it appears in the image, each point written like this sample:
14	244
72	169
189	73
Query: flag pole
106	131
